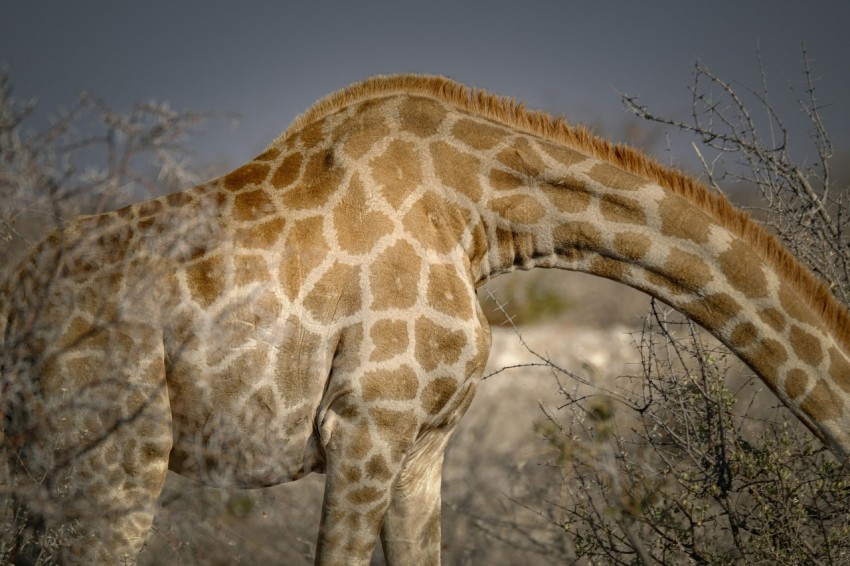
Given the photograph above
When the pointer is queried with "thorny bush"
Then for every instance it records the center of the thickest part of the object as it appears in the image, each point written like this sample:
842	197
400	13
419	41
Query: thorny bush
685	461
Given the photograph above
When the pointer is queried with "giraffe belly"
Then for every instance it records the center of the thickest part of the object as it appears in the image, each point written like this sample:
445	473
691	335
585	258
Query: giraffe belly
246	416
245	450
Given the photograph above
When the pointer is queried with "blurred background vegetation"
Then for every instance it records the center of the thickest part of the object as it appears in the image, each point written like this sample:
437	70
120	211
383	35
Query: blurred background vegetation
625	436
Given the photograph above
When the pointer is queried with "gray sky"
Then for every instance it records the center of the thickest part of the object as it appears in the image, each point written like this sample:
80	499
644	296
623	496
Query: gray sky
268	61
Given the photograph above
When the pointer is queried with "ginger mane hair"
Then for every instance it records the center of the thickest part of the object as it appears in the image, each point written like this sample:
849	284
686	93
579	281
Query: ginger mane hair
511	113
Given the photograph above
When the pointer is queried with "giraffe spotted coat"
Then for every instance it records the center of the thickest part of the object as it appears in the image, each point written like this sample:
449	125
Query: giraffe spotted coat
315	310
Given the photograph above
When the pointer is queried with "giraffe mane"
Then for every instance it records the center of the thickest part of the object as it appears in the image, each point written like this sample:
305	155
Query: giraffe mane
514	114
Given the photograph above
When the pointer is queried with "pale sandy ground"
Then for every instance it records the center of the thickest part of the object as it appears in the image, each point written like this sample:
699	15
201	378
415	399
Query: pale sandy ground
495	457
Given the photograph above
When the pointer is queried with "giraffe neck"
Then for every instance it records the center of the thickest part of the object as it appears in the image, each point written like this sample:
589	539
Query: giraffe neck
516	189
554	207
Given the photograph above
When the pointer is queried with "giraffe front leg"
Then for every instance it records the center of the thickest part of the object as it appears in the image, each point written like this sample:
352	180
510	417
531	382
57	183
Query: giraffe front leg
365	454
411	531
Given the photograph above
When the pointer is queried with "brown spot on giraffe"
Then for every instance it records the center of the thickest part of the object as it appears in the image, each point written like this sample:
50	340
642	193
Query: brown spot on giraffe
261	406
505	245
744	334
518	248
563	155
478	134
713	311
839	369
356	550
435	344
796	382
793	307
87	365
619	208
206	280
435	226
394	277
268	155
448	293
352	474
773	318
511	158
246	175
517	209
475	364
303	251
522	158
615	178
377	468
397	172
149	208
358	226
260	236
288	171
116	245
608	267
146	223
336	293
313	134
421	116
400	384
456	169
294	379
568	195
249	174
681	220
631	245
479	246
389	339
364	495
504	181
250	268
360	132
397	427
236	378
263	308
806	346
768	354
743	270
823	402
574	239
252	205
437	393
683	272
361	442
322	177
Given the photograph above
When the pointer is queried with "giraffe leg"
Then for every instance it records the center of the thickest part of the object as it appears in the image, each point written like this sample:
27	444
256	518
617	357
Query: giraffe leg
115	485
388	488
99	455
361	469
411	531
115	514
384	446
98	503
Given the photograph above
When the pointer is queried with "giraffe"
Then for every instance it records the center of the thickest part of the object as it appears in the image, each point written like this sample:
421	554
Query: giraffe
315	310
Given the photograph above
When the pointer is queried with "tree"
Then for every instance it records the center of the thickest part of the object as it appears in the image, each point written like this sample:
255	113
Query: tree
88	159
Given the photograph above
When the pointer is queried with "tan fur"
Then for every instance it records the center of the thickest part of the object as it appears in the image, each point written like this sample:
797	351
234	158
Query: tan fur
320	313
514	114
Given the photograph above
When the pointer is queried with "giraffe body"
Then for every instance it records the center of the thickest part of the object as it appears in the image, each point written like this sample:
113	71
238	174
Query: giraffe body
315	310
